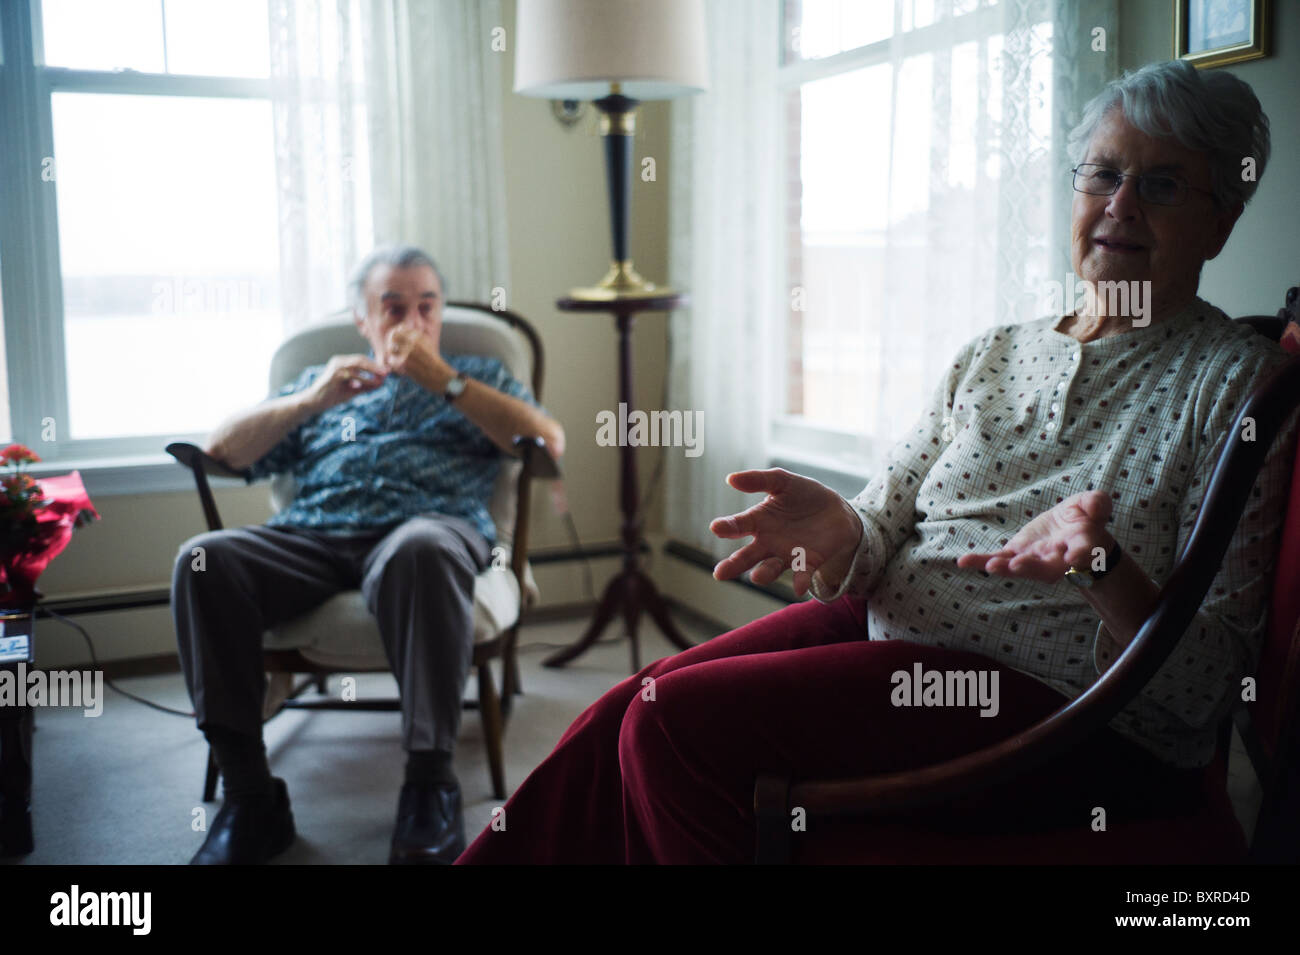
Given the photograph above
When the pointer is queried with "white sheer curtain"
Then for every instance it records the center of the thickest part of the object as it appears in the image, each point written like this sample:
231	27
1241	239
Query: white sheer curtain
723	249
387	119
931	201
435	127
318	108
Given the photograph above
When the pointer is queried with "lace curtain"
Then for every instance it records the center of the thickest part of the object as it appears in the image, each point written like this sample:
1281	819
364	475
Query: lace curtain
723	226
963	153
387	120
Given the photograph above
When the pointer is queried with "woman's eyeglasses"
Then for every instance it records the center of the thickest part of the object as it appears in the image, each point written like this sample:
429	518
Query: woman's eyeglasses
1159	189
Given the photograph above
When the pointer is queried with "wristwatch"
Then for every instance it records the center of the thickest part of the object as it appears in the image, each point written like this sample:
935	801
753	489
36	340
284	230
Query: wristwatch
456	387
1088	578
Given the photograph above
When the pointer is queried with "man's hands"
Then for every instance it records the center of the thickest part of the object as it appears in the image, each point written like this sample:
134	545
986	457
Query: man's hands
344	377
1046	547
407	352
798	512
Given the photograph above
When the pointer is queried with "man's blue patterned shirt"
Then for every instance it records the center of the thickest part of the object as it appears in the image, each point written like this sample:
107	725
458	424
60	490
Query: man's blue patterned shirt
387	455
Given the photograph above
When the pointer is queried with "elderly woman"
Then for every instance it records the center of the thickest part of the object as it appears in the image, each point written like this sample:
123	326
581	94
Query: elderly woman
1021	531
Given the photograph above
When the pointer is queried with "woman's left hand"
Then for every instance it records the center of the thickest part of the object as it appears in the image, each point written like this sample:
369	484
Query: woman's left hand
1053	542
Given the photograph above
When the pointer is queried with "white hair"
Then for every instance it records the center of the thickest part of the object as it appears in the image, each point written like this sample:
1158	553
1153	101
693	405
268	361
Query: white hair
394	256
1210	112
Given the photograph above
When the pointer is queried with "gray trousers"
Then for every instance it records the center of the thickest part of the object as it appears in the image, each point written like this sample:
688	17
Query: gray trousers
417	580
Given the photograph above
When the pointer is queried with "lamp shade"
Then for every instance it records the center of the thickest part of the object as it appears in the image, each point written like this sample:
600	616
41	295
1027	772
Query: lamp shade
574	49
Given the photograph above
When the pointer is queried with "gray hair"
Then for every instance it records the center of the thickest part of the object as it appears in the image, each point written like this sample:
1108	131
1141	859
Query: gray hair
1210	112
394	256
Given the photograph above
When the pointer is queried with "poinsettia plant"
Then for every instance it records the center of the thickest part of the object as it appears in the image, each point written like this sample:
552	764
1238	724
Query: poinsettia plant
36	522
22	498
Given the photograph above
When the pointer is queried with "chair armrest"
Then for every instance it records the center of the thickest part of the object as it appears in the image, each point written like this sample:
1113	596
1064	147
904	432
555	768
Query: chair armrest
1179	601
202	464
192	456
538	462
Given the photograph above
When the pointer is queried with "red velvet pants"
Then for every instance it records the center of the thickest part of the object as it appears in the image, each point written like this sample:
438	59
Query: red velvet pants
664	771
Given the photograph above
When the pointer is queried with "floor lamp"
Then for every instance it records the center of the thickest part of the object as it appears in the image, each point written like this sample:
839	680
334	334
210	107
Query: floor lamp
616	53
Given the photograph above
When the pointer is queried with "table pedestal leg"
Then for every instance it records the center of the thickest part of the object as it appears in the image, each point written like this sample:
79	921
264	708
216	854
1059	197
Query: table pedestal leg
16	724
630	592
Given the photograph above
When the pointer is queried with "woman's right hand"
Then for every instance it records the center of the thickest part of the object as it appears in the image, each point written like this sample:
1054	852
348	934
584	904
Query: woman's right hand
801	522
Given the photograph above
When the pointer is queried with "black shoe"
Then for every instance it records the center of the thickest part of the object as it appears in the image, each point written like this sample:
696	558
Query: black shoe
430	826
249	830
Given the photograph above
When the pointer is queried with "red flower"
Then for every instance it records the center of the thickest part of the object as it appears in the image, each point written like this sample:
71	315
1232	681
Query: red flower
18	454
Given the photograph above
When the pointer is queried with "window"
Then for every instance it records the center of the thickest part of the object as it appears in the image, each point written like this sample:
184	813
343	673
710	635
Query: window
182	37
139	246
6	431
168	253
897	138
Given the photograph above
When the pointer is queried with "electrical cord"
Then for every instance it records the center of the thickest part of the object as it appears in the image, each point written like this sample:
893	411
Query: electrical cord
531	647
577	548
94	661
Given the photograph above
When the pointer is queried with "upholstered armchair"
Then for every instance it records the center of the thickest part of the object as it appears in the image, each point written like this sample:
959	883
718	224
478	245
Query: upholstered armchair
340	635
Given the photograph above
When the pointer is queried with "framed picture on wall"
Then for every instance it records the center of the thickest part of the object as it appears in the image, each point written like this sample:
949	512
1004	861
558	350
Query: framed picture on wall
1218	32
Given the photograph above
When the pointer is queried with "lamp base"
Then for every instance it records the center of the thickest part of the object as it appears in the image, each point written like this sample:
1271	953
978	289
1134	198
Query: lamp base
620	282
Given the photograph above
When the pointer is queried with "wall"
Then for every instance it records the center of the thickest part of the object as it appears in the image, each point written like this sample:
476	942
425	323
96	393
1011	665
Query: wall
1260	261
559	238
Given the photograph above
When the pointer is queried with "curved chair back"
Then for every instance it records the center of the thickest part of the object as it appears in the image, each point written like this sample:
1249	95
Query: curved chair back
1277	707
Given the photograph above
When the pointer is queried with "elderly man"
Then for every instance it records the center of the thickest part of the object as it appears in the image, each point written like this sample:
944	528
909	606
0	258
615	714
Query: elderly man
1020	532
395	454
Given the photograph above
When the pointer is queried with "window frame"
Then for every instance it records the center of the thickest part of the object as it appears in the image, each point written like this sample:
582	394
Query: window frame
30	269
837	456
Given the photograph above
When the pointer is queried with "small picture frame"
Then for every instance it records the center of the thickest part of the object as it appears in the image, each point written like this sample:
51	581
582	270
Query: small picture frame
1218	32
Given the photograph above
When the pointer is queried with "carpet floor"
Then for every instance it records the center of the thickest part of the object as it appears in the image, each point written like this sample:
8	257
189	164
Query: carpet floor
125	788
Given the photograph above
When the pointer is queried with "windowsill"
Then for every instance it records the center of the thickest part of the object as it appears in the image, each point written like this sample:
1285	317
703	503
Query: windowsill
153	473
130	474
845	480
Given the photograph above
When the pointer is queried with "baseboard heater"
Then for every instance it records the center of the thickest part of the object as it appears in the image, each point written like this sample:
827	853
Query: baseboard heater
706	561
161	596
